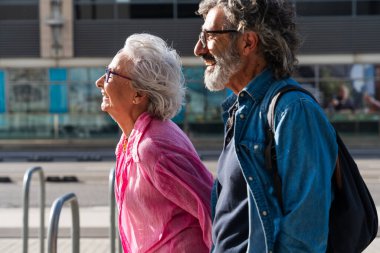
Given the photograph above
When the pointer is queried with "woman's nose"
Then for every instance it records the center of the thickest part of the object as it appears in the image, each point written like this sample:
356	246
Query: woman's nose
99	83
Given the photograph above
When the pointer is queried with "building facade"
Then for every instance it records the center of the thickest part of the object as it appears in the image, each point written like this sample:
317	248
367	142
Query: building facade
52	52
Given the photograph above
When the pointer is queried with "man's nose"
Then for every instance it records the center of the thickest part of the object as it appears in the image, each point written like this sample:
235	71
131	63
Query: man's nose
199	50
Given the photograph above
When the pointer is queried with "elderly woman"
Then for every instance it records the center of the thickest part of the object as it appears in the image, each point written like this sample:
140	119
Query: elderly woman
162	188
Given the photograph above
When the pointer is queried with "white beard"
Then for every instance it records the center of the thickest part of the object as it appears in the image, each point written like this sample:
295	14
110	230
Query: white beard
226	65
215	80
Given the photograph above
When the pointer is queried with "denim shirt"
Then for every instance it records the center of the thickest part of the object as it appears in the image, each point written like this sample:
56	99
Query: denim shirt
306	152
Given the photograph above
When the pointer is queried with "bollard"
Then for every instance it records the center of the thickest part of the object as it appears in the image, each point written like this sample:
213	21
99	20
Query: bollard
26	189
54	221
113	213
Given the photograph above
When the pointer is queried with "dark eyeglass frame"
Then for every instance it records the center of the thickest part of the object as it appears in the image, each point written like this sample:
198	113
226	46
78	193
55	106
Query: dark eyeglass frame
109	72
203	35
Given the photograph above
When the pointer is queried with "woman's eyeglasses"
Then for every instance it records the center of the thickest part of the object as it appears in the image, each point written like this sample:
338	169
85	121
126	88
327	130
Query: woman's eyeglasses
109	72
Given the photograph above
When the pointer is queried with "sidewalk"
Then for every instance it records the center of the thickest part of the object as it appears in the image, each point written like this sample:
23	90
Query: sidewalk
94	212
94	222
94	230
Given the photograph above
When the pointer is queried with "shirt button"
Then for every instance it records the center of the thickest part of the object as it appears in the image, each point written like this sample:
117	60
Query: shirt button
237	150
242	116
241	94
265	213
250	178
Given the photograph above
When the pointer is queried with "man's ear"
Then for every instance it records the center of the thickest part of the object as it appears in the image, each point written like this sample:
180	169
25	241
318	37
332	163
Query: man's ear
139	97
250	42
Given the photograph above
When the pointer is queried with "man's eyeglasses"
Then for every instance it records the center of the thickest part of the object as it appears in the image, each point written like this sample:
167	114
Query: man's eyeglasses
109	72
203	35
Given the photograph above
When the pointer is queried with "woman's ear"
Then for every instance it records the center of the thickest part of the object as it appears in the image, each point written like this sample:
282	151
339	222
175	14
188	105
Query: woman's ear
139	97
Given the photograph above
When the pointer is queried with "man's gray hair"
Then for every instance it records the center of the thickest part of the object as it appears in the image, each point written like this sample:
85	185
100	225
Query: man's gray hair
272	20
156	71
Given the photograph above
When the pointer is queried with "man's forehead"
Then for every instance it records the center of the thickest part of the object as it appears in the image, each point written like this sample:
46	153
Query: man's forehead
214	19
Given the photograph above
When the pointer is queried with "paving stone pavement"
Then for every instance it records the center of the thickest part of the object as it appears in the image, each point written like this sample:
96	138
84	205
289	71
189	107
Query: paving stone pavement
94	209
87	245
97	245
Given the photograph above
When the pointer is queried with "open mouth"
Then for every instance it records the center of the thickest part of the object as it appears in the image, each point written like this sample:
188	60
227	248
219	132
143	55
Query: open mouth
105	98
104	94
210	66
209	60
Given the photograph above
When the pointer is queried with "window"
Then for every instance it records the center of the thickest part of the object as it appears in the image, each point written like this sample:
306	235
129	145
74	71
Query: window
123	11
14	11
2	92
83	94
368	8
28	90
94	11
305	74
203	105
187	10
151	10
322	8
134	9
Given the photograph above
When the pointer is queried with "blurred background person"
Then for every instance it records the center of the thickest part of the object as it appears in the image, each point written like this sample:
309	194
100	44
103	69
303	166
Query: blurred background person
162	188
372	102
342	102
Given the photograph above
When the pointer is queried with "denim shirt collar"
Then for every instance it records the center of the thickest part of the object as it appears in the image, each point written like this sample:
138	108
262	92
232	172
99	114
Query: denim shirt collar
256	89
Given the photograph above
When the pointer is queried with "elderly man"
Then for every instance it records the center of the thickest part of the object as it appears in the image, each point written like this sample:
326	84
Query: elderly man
249	47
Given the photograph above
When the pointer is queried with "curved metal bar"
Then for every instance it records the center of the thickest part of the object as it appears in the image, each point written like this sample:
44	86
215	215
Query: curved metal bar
54	221
26	189
112	208
113	216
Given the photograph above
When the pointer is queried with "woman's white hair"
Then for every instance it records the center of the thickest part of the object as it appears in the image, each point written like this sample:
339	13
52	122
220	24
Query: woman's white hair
156	71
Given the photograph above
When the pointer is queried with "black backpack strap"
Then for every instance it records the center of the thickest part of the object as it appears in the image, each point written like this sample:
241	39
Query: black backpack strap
270	150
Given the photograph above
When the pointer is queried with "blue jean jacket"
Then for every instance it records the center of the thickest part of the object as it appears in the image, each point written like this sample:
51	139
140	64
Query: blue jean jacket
306	151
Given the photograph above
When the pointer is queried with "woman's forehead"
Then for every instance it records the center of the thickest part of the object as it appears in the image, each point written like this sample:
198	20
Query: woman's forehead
120	61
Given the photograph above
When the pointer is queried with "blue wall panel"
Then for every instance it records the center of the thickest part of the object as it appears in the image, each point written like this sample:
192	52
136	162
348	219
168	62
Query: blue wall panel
58	98
57	74
2	92
58	90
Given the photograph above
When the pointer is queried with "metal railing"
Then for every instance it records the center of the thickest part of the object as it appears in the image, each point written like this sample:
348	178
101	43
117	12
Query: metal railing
113	227
26	190
54	221
55	212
